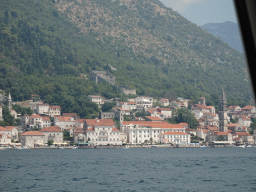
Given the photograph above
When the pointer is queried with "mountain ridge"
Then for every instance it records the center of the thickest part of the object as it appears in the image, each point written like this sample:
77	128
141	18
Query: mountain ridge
153	52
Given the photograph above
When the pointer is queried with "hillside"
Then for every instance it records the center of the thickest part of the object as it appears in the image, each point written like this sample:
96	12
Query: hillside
228	32
45	45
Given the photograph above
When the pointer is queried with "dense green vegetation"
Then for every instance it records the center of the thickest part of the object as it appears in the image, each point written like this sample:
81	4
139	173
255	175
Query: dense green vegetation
184	115
42	52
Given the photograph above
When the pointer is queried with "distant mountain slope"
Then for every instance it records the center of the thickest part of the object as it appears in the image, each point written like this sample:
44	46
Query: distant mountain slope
45	45
228	32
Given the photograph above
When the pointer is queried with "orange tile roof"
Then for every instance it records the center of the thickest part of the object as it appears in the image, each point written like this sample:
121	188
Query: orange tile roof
90	129
247	107
174	133
54	107
1	135
69	115
152	118
243	134
100	122
51	129
46	119
9	128
35	116
153	124
115	129
221	133
81	120
233	124
32	133
164	109
59	118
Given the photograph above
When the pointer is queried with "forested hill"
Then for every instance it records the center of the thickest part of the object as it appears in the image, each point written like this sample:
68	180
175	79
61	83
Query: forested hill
45	45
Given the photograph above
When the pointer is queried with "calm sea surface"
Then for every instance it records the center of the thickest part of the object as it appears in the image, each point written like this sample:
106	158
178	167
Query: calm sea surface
139	169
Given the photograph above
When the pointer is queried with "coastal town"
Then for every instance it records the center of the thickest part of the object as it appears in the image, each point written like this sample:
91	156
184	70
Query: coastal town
139	121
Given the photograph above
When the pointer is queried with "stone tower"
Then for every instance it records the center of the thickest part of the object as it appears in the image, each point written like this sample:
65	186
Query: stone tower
223	121
9	102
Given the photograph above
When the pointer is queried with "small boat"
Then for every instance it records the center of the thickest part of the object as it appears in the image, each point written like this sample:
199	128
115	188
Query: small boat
23	147
242	146
74	147
60	147
203	146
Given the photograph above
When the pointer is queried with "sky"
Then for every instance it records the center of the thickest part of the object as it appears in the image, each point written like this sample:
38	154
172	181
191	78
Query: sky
201	12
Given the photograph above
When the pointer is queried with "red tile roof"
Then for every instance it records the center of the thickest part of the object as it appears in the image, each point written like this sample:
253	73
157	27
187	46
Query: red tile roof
243	134
100	122
1	135
153	124
221	133
174	133
115	129
247	107
32	133
59	118
51	129
152	118
69	115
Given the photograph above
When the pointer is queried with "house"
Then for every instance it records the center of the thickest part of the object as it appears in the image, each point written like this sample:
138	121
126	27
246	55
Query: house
53	133
153	118
54	111
202	133
35	121
42	109
167	112
164	102
11	131
79	123
203	108
190	131
245	122
96	99
32	138
74	115
246	137
175	137
234	109
140	131
102	132
64	122
220	136
198	114
248	109
5	139
126	105
144	102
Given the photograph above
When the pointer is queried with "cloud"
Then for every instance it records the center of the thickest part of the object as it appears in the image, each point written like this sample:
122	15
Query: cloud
181	5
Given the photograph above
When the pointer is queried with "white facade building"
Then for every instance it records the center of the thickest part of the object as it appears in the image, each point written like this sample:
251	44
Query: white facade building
175	137
140	131
144	102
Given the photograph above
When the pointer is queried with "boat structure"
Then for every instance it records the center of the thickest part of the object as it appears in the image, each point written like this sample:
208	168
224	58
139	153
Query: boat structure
74	147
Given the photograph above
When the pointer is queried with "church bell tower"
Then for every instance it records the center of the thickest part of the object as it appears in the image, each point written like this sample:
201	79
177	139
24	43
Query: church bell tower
223	121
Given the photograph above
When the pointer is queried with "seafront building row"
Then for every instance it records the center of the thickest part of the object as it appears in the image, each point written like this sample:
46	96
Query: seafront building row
151	128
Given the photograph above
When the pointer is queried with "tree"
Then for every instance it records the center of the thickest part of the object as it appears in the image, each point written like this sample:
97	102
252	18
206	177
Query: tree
50	142
106	107
186	116
151	140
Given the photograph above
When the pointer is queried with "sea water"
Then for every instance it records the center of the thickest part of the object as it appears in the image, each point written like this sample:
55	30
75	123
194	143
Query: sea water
133	169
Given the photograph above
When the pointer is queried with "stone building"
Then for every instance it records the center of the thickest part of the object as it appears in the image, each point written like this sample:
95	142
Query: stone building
53	133
102	76
223	119
32	138
127	90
